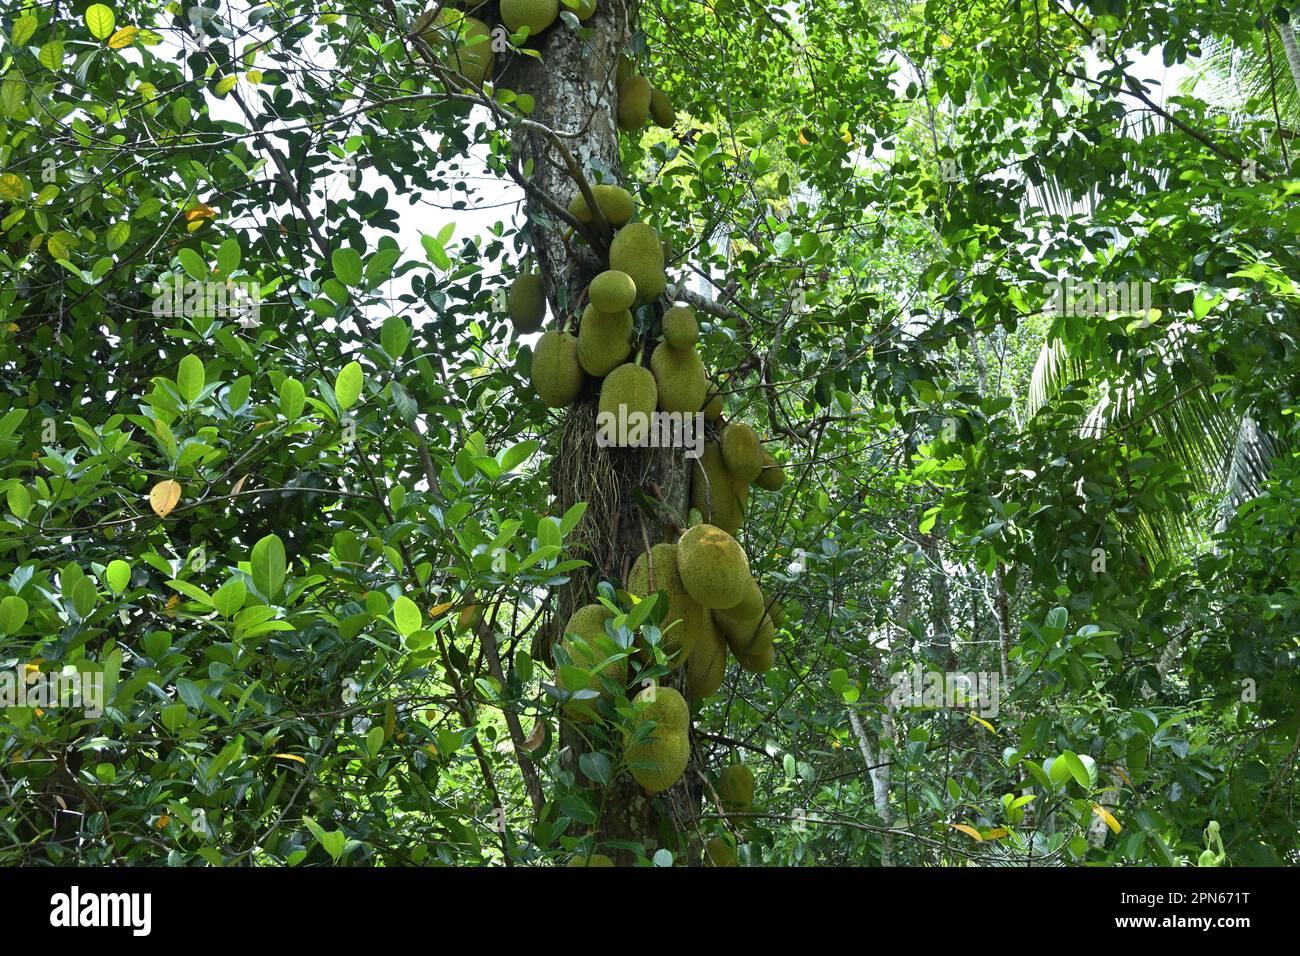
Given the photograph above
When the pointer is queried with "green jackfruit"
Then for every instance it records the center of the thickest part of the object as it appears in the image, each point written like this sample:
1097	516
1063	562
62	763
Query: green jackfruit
661	108
736	787
712	402
751	606
681	378
681	331
741	451
537	15
761	655
624	71
596	859
658	761
684	620
612	291
707	665
526	302
720	853
449	37
634	103
604	341
588	623
614	201
772	477
744	637
637	251
713	566
585	9
557	374
714	491
628	397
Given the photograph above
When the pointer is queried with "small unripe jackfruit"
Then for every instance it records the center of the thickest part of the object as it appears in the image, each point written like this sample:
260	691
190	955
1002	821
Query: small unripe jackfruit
658	761
736	787
684	619
614	201
707	665
741	451
449	36
633	103
623	72
681	379
537	15
719	853
761	656
661	108
588	623
557	374
713	566
637	251
712	402
681	331
714	491
585	9
526	302
604	341
628	397
612	291
772	477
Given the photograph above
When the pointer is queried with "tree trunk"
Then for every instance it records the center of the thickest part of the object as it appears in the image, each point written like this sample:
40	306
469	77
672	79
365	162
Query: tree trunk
573	89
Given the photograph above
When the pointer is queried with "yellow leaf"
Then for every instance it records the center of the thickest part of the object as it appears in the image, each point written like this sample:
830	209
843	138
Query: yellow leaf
170	608
969	831
225	85
440	609
123	37
289	757
253	76
996	834
982	722
1123	776
1106	816
163	497
199	211
163	821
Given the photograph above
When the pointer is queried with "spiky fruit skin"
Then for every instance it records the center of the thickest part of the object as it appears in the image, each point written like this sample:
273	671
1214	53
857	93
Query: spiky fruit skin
666	750
761	655
681	379
720	853
678	639
623	72
612	291
772	477
537	15
636	250
614	201
634	103
745	637
588	623
526	302
741	451
736	787
713	567
585	9
714	491
751	606
632	388
604	341
557	374
681	331
449	35
596	859
661	109
707	666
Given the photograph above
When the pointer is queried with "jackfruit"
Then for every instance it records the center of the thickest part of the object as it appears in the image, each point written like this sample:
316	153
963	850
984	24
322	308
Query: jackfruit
681	378
707	665
637	251
712	402
629	396
604	341
612	291
760	657
713	566
633	103
741	451
526	302
623	72
772	477
588	623
596	859
681	331
736	787
751	606
614	201
537	15
720	853
662	754
714	491
777	613
557	374
680	638
744	637
449	36
585	9
661	108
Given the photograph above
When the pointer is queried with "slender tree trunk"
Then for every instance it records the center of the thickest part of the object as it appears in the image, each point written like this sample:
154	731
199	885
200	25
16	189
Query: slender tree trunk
573	90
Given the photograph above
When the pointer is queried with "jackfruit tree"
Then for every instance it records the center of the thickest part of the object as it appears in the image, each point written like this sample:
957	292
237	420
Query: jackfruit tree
332	533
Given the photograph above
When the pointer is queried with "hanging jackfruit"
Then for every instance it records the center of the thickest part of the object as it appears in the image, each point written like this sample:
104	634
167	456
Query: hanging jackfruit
713	567
557	374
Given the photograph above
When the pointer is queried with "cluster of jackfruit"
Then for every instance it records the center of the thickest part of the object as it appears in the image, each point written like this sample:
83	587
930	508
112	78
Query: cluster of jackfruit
463	43
638	101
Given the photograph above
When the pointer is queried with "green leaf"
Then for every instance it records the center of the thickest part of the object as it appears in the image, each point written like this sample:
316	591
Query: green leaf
101	21
347	266
348	384
394	336
518	454
292	398
50	56
193	264
375	740
13	614
269	566
406	615
20	501
595	766
230	597
190	378
228	256
24	29
117	575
